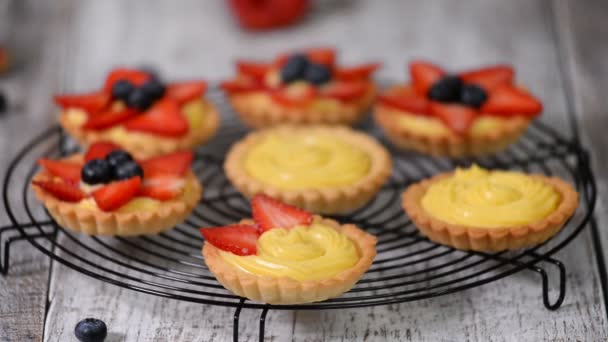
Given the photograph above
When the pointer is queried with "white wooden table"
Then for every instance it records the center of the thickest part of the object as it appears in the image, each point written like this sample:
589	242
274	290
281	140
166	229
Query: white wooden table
65	45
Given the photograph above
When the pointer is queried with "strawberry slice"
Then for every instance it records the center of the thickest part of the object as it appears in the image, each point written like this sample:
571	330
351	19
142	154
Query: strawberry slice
360	72
324	56
508	100
270	213
238	239
69	171
424	75
457	117
109	118
256	70
345	91
268	14
61	190
137	77
294	95
116	194
177	163
490	77
411	103
184	92
162	187
164	118
240	86
99	150
89	102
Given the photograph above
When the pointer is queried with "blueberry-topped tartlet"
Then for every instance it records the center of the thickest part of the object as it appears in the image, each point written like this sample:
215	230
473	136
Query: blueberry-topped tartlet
138	111
305	87
108	192
471	113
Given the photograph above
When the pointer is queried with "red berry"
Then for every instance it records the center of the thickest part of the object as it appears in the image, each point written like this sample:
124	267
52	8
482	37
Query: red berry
69	171
116	194
61	190
345	90
356	73
109	118
489	77
164	118
270	213
162	187
411	103
237	239
508	100
99	150
176	163
424	75
184	92
91	102
457	117
136	77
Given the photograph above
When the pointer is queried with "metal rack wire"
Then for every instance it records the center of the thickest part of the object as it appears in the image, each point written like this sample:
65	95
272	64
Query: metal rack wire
408	267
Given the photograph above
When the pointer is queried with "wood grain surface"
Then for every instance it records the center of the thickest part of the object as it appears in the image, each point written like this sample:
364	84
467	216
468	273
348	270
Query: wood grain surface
70	45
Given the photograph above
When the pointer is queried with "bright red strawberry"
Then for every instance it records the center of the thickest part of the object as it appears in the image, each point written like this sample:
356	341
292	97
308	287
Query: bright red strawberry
508	100
116	194
268	14
61	190
256	70
345	90
69	171
184	92
424	75
109	118
490	77
457	117
295	95
162	187
238	239
239	86
90	102
411	103
360	72
176	163
164	118
270	213
100	150
137	77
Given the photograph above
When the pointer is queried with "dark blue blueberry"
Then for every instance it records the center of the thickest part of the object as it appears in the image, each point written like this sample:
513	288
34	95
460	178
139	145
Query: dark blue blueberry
294	69
118	157
154	88
447	89
122	89
317	74
128	170
473	95
91	330
139	99
96	171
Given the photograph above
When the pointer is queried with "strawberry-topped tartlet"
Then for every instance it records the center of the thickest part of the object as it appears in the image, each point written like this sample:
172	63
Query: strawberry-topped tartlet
108	192
471	113
302	88
145	116
286	255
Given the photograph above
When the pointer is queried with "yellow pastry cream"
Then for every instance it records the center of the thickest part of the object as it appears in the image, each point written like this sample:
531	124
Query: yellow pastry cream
306	160
476	197
433	127
302	253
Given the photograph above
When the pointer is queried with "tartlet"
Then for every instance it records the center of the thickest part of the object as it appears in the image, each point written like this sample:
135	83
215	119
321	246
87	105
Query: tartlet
139	112
156	199
287	256
482	210
470	114
301	88
323	169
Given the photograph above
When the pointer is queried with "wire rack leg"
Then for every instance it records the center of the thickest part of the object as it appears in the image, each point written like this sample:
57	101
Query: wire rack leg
545	283
263	322
5	248
235	321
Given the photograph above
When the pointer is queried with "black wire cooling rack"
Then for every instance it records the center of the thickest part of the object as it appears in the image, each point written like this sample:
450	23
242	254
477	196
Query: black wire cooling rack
408	267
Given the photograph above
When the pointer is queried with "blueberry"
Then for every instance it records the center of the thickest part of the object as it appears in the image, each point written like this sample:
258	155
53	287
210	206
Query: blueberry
122	89
128	170
294	69
139	99
447	89
118	157
153	88
317	74
96	171
473	95
91	330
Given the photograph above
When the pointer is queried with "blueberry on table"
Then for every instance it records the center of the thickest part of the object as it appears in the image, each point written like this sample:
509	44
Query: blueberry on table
118	157
294	68
128	170
447	89
122	89
96	171
317	74
153	88
91	330
139	99
473	95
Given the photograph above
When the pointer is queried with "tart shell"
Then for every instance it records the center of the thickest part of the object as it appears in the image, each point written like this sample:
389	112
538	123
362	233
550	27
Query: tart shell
328	200
144	145
489	239
96	222
285	290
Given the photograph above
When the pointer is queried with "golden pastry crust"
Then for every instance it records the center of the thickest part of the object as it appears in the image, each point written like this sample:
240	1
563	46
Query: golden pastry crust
318	200
145	145
489	239
97	222
285	290
259	114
